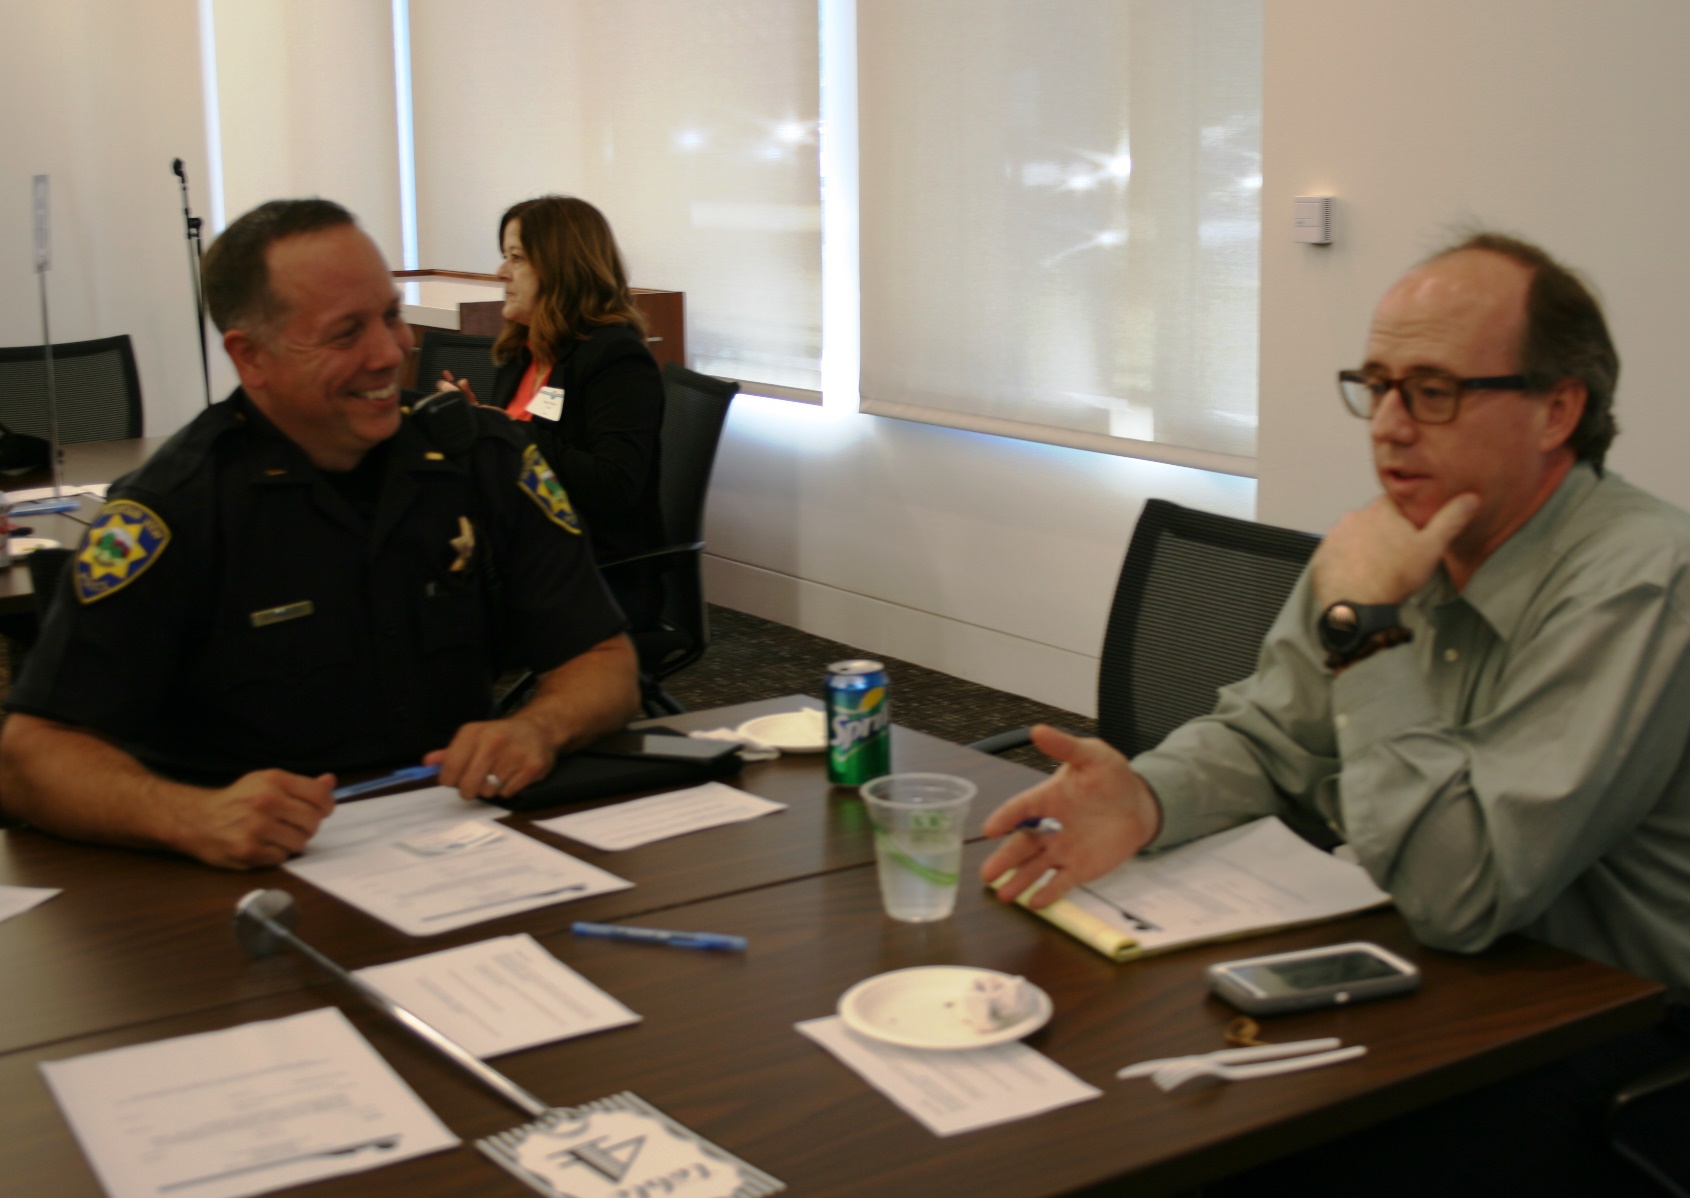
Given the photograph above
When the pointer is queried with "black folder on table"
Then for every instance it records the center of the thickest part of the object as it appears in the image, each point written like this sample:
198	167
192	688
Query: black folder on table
585	775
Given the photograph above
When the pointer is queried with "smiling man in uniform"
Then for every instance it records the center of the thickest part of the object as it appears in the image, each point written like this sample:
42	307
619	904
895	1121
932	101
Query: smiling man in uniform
306	581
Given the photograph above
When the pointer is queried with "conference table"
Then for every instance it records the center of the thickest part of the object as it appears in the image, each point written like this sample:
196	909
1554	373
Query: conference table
84	463
139	948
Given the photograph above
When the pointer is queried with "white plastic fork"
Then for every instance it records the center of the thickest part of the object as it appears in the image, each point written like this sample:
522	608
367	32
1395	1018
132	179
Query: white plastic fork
1191	1075
1235	1056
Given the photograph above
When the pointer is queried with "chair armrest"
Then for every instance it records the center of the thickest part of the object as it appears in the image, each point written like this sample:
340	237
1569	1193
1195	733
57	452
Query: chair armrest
1003	742
652	554
1664	1077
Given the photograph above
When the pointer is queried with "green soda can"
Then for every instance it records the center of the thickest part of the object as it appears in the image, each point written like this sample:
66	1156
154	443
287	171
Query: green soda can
859	722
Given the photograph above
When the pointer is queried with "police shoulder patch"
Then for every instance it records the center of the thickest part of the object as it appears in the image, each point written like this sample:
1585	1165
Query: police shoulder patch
544	489
125	538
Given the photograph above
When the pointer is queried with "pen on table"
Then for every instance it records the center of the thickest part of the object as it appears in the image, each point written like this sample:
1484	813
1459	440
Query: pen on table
1044	825
614	931
411	773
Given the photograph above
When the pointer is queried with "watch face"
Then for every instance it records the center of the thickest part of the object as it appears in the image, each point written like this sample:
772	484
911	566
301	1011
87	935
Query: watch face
1340	628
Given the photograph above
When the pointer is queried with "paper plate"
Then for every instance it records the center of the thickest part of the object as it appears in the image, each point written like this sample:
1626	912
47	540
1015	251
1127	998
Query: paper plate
789	731
922	1008
24	546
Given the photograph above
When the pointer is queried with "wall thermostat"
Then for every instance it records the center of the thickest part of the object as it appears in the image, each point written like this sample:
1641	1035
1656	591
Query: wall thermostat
1311	220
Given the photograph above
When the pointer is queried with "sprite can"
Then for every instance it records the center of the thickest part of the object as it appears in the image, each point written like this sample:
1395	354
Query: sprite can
859	722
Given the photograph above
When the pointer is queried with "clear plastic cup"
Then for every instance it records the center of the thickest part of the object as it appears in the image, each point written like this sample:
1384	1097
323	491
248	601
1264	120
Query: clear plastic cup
918	826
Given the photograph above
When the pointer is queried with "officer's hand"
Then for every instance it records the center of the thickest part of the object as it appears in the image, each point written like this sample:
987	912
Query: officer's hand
449	382
1107	811
263	818
494	757
1375	555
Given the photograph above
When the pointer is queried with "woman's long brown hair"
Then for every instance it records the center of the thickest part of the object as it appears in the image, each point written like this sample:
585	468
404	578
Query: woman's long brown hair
581	281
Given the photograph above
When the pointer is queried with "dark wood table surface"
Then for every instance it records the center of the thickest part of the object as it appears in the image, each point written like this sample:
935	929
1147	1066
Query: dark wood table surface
139	936
717	1049
89	462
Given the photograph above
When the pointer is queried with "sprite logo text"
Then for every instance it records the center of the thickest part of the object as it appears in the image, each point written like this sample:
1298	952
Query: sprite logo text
851	729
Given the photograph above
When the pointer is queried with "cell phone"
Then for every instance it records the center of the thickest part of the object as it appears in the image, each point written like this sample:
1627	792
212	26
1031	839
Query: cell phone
1312	977
668	746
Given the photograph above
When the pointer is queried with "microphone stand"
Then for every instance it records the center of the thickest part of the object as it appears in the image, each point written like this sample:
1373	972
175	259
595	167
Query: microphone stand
193	226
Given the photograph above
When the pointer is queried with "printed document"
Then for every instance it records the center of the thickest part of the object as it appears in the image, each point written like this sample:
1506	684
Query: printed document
499	995
243	1111
953	1092
30	494
15	900
641	821
407	860
1253	878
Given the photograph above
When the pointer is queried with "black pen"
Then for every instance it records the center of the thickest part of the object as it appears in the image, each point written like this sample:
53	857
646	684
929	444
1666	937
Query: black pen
1044	825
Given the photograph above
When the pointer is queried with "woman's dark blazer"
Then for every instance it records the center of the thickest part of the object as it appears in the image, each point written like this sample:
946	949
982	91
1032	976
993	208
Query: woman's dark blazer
604	448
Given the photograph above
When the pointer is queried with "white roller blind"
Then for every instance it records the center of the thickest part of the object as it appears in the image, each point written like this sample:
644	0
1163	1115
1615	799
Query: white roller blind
1060	220
690	123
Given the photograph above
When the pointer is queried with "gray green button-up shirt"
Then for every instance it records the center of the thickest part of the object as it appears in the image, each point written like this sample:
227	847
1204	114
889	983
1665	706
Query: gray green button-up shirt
1519	766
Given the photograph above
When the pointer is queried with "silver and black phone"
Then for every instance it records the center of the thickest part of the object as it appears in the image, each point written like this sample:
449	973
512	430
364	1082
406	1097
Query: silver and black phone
1312	977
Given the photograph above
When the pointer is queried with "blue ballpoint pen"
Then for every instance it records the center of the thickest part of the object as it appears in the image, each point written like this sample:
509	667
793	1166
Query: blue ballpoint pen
411	773
614	931
1045	824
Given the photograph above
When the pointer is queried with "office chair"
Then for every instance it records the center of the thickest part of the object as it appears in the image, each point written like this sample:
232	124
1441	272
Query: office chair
99	390
1195	599
466	355
695	407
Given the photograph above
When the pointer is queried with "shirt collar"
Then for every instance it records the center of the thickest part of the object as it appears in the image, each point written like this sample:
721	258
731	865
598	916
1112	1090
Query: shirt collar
1504	584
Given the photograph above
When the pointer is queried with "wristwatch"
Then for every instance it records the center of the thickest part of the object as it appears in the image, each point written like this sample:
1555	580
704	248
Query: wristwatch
1351	631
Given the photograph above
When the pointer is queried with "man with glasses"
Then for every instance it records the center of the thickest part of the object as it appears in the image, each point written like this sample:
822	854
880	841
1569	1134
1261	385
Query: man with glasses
1482	682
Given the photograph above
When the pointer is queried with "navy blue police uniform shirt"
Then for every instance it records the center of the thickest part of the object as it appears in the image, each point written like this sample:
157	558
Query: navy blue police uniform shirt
232	609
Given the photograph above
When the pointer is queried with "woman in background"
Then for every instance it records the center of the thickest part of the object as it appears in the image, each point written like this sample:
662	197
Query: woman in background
573	363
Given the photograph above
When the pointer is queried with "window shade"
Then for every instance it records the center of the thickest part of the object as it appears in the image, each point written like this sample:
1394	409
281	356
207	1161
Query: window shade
691	124
1060	220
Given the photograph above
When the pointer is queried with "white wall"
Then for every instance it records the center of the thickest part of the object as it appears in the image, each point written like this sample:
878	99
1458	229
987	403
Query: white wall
305	89
987	558
101	95
1559	120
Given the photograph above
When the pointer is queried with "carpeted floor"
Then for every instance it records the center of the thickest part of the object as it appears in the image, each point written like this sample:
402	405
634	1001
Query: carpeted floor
751	658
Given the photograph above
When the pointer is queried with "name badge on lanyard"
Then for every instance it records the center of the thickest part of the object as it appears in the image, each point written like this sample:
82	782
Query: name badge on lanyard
547	403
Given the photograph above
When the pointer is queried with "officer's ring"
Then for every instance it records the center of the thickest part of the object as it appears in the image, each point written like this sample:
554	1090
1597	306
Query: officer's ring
494	781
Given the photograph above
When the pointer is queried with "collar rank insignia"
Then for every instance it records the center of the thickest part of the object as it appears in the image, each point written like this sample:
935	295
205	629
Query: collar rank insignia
123	541
544	489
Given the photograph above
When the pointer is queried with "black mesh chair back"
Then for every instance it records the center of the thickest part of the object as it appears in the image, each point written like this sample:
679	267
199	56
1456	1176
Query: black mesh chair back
695	408
1196	597
466	355
99	390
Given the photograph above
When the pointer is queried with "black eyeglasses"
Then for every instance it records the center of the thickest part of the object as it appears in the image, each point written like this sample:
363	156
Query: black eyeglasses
1431	397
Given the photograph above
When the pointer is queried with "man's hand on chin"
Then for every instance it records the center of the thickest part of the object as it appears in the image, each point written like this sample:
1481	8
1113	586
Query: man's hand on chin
1374	555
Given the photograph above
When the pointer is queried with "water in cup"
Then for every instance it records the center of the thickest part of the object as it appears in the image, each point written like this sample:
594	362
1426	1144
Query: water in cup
918	830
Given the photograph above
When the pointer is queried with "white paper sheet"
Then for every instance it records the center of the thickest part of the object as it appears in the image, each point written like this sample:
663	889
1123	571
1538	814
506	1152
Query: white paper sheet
32	493
952	1092
360	856
1251	878
242	1111
499	995
641	821
15	900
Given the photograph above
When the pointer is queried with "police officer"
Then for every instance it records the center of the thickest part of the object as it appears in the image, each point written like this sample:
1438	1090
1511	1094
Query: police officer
308	579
